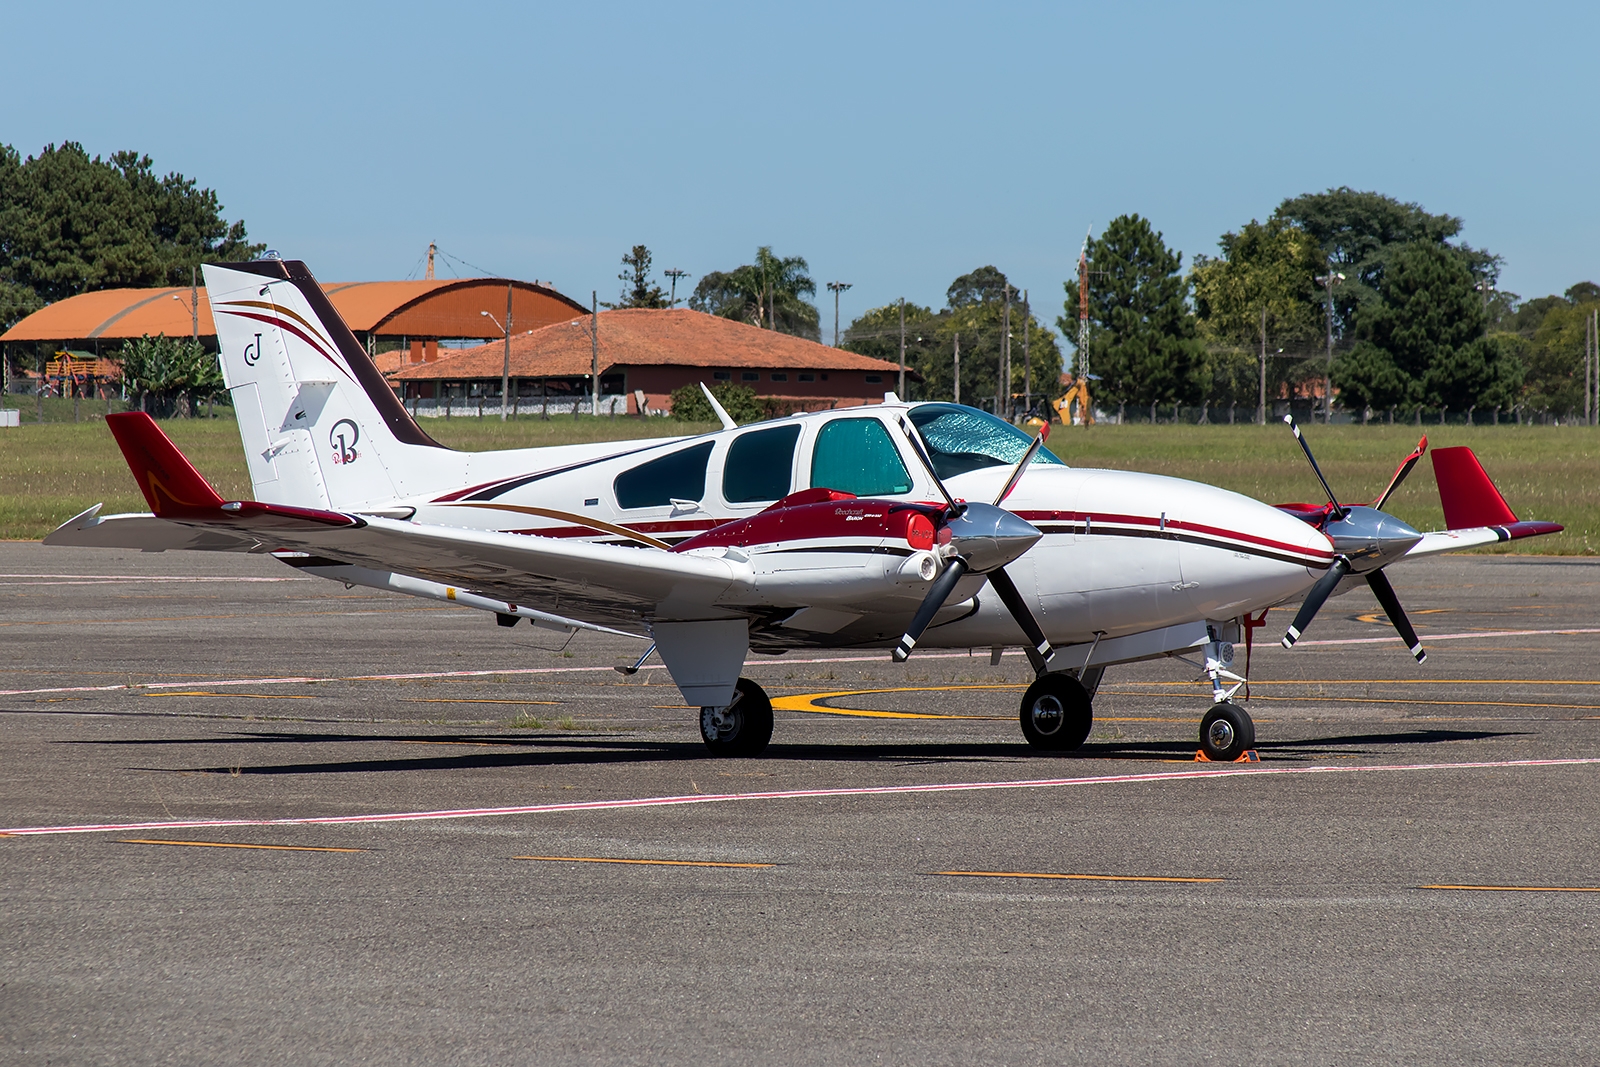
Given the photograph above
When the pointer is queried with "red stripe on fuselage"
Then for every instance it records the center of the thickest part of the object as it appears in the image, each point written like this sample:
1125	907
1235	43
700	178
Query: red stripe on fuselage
1079	518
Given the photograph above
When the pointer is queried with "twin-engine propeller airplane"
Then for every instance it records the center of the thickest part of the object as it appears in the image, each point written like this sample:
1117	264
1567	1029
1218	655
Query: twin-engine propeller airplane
881	527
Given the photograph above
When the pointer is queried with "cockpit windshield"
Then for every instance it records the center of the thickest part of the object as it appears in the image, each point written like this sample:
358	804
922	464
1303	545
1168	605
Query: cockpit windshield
962	439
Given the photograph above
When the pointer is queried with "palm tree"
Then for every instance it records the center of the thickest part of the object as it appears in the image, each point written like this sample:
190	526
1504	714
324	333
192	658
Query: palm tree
769	293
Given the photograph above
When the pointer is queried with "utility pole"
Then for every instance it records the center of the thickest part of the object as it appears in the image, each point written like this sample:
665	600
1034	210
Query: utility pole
1083	309
194	302
1003	386
674	274
594	352
1261	398
836	288
1588	380
958	368
1328	281
432	248
901	391
1027	367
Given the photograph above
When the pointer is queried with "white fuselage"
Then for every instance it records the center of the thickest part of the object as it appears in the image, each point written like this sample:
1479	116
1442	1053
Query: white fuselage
1122	552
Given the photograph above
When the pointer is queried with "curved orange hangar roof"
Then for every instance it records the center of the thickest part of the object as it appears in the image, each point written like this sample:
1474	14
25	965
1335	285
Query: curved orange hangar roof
635	337
435	308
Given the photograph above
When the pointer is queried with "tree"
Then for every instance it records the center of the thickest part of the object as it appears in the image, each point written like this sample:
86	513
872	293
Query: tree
1265	268
1420	338
876	333
1359	232
1553	349
170	375
1142	339
975	309
768	293
638	292
739	401
70	223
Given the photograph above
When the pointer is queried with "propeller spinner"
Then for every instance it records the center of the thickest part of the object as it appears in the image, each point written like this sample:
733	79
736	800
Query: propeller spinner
1366	540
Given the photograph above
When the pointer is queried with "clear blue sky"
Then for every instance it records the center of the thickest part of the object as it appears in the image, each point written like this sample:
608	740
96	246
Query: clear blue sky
894	147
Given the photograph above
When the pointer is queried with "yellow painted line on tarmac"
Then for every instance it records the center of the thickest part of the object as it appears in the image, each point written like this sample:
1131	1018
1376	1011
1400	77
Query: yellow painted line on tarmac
1380	617
1520	888
1078	877
234	844
644	863
808	702
469	700
207	693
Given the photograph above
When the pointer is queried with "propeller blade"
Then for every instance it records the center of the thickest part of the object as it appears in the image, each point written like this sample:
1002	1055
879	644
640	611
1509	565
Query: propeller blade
1338	510
1401	471
938	593
915	437
1022	464
1315	599
1041	651
1397	614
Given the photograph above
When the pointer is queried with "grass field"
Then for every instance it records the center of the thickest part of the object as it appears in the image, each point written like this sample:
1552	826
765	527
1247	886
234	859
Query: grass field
51	471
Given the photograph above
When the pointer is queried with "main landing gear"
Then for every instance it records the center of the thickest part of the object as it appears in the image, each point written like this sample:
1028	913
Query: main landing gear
741	728
1056	713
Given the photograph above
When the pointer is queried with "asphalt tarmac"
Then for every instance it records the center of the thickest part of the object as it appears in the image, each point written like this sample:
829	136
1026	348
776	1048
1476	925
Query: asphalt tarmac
508	853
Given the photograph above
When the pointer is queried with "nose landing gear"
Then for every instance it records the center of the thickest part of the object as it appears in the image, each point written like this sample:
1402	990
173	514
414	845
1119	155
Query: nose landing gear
1227	734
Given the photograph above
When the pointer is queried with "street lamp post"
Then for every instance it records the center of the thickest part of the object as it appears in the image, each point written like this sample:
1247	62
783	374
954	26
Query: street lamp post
837	288
505	373
1328	281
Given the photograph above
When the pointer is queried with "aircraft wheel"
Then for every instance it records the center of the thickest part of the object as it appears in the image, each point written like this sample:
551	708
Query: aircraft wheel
743	727
1226	731
1056	713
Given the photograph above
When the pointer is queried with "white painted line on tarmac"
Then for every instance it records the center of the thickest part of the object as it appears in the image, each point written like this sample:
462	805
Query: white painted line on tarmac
1253	770
764	661
90	579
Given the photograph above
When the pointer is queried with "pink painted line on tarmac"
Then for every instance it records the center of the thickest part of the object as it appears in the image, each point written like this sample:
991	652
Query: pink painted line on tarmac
1225	771
1451	637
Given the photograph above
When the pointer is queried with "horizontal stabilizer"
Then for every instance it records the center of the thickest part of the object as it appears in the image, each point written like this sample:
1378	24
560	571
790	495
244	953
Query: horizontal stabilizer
1469	497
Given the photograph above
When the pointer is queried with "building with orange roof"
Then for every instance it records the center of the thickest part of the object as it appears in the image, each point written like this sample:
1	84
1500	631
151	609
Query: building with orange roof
400	323
649	353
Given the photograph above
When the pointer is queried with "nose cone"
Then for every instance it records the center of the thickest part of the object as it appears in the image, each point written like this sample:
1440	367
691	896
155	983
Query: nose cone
1371	538
990	537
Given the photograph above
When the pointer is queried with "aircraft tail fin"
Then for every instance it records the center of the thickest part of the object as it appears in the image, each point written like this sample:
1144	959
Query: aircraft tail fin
321	427
1469	497
171	485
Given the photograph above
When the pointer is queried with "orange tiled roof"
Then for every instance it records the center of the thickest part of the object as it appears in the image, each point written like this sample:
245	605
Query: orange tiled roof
642	337
436	308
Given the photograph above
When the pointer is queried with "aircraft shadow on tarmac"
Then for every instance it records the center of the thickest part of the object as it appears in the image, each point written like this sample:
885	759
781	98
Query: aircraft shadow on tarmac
546	750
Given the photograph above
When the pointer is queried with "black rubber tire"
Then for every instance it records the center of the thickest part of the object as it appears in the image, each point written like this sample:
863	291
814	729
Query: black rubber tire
747	723
1056	713
1226	732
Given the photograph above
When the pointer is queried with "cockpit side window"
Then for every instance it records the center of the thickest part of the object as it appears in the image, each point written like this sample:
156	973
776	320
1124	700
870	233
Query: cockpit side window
857	456
962	439
679	476
759	465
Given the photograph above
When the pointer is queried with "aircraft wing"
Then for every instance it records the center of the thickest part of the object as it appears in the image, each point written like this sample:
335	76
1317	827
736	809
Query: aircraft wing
146	533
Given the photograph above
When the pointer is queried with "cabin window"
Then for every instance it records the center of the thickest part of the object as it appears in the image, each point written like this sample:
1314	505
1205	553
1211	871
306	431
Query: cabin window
759	464
962	439
857	456
679	476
